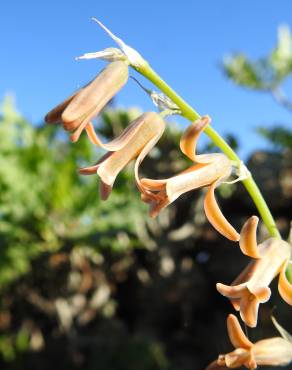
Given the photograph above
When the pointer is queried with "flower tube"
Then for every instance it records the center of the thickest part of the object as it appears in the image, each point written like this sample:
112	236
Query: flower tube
209	171
135	142
77	111
275	351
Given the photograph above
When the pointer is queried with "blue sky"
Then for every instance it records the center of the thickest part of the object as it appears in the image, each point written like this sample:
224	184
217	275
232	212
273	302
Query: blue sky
183	40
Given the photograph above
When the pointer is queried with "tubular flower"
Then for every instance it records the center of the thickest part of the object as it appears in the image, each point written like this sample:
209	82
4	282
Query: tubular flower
251	287
77	111
209	171
275	351
136	141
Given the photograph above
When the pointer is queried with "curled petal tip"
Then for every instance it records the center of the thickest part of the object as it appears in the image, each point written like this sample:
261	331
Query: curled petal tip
189	139
263	294
232	292
55	115
245	301
284	286
215	366
88	170
254	220
105	190
236	334
248	238
74	137
216	217
249	306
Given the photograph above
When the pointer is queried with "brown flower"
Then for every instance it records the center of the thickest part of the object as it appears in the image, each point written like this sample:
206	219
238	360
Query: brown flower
251	287
209	171
275	351
76	112
136	141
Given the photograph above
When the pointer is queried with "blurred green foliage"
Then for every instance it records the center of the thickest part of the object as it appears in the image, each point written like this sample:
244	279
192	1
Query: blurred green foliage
48	209
279	136
267	74
45	203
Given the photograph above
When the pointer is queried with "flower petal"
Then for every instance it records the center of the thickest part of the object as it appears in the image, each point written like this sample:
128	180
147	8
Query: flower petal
284	286
54	116
168	190
92	98
240	284
236	334
245	301
273	351
249	310
153	185
188	141
263	294
216	217
157	184
248	239
146	131
232	292
249	305
115	144
92	170
215	366
136	141
252	286
81	124
104	190
158	199
238	358
92	136
274	253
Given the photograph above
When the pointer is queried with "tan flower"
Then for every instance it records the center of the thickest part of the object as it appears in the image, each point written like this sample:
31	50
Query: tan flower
251	287
136	141
209	171
275	351
76	112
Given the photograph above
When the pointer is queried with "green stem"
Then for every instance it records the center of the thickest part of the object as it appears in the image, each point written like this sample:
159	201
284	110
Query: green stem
188	112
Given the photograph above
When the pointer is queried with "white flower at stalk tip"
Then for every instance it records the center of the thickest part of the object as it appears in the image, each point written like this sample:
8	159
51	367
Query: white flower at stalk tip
125	52
108	54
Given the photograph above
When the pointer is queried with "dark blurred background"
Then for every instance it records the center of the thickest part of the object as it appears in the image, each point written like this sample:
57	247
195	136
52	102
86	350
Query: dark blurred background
95	285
